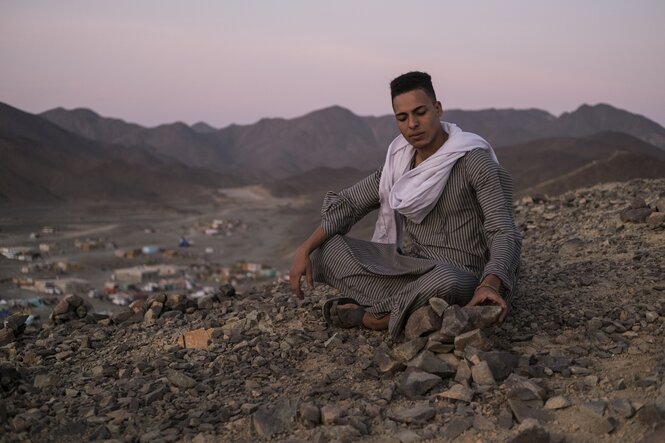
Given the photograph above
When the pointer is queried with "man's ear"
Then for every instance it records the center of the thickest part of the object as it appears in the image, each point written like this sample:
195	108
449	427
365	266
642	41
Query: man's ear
439	108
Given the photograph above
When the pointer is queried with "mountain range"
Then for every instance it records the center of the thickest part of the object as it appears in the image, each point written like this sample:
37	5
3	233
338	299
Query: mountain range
69	154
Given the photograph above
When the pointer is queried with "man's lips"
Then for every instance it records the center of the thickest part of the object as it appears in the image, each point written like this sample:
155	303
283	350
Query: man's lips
417	135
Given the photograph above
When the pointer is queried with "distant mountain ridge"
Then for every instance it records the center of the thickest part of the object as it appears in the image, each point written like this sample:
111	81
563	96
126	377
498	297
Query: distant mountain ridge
63	154
334	137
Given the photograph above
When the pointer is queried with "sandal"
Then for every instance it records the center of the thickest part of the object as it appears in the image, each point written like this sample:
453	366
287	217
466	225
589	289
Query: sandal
343	318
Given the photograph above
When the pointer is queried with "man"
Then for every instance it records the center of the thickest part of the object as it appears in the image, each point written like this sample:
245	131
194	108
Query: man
445	226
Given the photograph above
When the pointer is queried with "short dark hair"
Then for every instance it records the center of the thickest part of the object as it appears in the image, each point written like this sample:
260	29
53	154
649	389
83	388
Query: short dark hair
410	81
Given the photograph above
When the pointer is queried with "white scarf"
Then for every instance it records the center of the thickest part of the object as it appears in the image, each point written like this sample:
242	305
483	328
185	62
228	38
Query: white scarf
414	192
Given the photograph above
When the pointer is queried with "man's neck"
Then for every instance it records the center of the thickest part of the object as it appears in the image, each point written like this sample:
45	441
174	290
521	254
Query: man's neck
426	152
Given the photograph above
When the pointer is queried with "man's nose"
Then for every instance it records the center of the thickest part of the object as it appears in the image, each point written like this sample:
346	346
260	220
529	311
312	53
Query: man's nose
413	122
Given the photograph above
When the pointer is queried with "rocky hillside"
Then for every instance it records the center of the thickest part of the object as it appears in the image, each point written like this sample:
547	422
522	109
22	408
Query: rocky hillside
580	358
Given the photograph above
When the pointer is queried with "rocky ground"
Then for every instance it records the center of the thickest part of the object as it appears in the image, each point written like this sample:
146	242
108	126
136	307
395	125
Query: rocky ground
580	358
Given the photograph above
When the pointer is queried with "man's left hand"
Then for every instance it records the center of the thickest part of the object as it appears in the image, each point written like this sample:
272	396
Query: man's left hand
484	295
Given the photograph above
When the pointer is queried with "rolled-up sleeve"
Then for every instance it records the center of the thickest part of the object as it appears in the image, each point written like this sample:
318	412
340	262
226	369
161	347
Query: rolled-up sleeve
494	191
340	211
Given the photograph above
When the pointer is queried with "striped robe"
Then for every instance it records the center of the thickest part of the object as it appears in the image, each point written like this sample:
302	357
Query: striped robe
469	234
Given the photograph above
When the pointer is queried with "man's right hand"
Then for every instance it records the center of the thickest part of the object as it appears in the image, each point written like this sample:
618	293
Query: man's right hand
300	266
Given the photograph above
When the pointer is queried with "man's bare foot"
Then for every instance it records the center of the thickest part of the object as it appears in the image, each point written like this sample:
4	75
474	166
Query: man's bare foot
369	321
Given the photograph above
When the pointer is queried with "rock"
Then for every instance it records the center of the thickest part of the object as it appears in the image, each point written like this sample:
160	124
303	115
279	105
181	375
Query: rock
438	305
43	381
423	321
657	435
457	392
651	316
310	413
196	339
6	336
180	379
472	338
482	375
417	414
525	391
622	407
463	374
104	370
455	427
483	316
269	420
650	415
501	363
225	292
555	363
386	363
557	402
152	314
530	431
404	352
481	423
16	323
638	215
414	382
331	414
434	345
505	418
406	436
656	219
522	411
429	362
455	321
594	408
122	316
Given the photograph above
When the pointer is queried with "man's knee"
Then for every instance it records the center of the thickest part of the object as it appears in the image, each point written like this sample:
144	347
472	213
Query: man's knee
453	285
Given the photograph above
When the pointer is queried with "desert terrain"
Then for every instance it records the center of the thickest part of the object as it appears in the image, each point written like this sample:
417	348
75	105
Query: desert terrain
580	358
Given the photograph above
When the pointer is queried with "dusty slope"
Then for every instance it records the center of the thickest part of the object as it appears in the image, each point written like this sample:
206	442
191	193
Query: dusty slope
589	326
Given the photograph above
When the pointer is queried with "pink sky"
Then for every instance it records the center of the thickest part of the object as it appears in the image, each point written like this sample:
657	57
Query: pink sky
155	62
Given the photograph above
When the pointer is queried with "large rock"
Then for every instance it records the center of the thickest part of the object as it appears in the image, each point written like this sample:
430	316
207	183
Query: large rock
418	414
458	392
404	352
269	420
501	363
423	321
429	362
482	375
483	316
472	338
414	382
455	321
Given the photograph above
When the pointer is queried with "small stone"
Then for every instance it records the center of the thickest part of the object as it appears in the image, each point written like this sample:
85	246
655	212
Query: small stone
457	392
622	407
331	414
406	436
638	215
225	292
104	371
16	323
269	420
483	316
404	352
505	419
386	363
482	375
522	411
43	381
196	339
429	362
423	321
6	336
180	379
414	382
455	427
417	414
651	316
555	363
595	408
501	363
656	219
438	305
62	307
437	347
557	402
481	423
310	413
463	374
455	321
472	338
530	431
650	415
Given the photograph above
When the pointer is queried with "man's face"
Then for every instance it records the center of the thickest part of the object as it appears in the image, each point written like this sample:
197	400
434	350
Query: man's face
418	119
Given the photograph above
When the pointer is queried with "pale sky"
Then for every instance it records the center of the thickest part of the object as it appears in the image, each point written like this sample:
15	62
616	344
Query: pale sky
224	62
